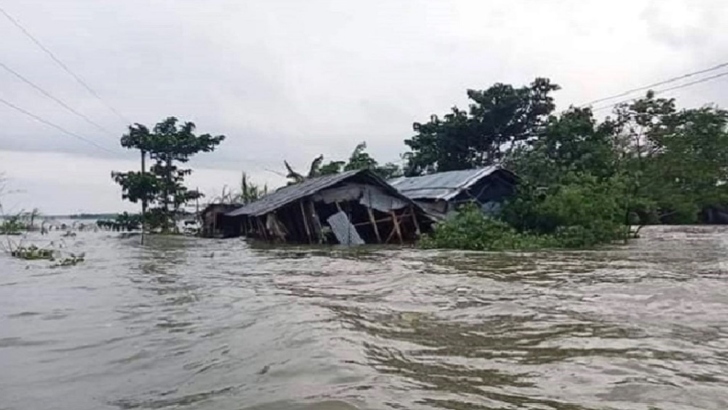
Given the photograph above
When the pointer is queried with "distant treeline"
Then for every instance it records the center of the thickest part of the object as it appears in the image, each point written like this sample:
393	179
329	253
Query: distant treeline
86	216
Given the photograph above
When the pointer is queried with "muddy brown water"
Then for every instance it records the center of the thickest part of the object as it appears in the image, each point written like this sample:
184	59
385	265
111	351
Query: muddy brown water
217	324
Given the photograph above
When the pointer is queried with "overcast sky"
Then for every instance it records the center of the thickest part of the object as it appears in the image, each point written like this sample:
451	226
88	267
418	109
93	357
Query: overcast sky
291	79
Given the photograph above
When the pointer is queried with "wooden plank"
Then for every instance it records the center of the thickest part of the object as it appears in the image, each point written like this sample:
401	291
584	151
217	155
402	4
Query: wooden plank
414	219
396	226
316	221
374	223
391	234
387	219
263	231
305	222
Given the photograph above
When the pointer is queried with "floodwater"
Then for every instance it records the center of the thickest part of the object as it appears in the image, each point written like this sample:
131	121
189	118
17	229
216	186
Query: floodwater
189	323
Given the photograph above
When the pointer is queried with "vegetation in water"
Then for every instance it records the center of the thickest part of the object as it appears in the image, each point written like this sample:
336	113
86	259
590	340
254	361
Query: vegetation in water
168	145
12	226
32	253
582	182
20	223
70	260
123	222
578	215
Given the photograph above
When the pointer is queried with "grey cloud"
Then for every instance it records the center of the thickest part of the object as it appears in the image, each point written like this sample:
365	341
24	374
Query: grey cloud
290	79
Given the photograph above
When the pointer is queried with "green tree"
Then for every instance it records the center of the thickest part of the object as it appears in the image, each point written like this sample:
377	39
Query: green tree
572	142
675	159
168	144
497	119
359	159
313	171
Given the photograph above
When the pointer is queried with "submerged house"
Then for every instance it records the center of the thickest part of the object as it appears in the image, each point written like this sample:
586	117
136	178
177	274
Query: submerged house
214	223
441	193
353	207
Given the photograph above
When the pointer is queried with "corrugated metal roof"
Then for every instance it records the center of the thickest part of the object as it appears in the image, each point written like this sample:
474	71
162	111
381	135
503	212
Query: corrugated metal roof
442	185
292	193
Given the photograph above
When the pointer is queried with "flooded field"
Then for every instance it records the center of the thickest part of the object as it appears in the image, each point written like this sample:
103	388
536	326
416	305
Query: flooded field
205	324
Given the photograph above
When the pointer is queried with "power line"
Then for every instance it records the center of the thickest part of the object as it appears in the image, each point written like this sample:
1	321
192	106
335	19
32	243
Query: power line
657	92
256	163
657	84
57	100
702	80
58	127
63	66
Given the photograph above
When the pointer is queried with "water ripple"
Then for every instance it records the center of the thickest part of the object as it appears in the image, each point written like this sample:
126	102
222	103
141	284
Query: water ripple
221	324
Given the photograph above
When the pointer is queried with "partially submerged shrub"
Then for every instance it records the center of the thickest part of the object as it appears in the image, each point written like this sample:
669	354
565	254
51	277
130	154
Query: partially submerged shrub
123	222
32	253
469	229
35	253
71	260
12	226
579	215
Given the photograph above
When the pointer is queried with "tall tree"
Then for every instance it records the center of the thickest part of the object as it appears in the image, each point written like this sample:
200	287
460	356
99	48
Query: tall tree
573	141
669	163
497	118
169	144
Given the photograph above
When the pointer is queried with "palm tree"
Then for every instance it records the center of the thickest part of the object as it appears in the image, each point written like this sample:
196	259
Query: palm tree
313	171
250	192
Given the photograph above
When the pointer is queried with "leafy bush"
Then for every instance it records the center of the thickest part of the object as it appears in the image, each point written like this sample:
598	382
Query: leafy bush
32	253
469	229
12	226
581	213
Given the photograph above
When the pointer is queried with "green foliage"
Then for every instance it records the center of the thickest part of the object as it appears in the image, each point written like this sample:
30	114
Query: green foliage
249	192
32	253
572	142
550	224
167	144
670	163
470	229
12	226
359	159
498	117
123	222
581	200
35	253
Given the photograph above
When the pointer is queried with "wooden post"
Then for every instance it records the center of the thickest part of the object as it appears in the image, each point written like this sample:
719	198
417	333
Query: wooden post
316	221
395	221
374	224
262	228
414	219
305	222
